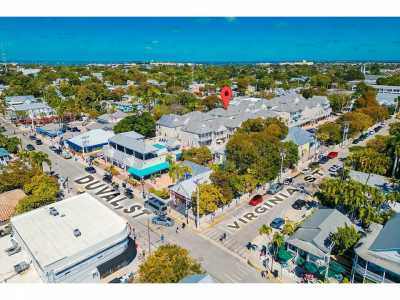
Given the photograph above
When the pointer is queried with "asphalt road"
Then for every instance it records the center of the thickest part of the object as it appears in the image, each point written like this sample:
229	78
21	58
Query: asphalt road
223	265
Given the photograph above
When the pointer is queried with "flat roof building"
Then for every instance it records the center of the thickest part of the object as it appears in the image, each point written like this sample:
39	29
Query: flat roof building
71	240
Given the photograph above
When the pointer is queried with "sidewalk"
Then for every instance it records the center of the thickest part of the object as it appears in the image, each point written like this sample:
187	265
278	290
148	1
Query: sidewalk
256	261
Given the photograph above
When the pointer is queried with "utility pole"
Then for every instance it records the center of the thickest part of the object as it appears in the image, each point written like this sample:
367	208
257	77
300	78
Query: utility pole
345	132
283	155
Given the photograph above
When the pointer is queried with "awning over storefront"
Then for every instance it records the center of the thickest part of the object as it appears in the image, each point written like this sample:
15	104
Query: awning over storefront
141	173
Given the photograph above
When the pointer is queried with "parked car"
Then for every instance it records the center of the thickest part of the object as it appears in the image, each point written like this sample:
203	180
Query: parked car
52	148
355	141
90	170
163	220
29	147
256	200
39	142
378	128
323	160
128	193
277	223
332	154
156	205
307	171
299	204
107	177
288	181
334	168
275	188
66	155
32	137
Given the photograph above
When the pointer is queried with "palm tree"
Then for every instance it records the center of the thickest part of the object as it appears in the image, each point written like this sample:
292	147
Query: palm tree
277	241
37	158
177	171
265	230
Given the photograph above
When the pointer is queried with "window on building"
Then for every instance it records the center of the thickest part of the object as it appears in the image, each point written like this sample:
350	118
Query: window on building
129	151
113	145
120	148
392	276
375	269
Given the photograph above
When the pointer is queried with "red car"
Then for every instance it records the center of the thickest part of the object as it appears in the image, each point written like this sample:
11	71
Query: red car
256	200
332	154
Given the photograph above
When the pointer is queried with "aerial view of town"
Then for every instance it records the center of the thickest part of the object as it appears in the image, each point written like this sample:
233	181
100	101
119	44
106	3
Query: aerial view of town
193	153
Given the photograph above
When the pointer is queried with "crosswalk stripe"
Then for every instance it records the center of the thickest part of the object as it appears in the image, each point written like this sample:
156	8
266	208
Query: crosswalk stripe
283	195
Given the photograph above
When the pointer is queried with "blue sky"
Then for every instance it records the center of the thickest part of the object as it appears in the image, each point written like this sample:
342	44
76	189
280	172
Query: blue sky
68	40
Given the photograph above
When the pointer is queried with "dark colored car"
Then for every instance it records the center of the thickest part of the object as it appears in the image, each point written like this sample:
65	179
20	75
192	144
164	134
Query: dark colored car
90	170
356	141
75	129
288	181
107	177
323	160
39	142
32	137
58	151
299	204
277	223
256	200
29	147
378	128
129	193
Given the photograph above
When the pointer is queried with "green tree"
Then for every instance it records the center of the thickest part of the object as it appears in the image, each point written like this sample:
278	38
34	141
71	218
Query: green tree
143	124
339	101
41	190
38	158
330	132
168	264
345	238
177	171
211	198
289	228
200	155
358	122
265	230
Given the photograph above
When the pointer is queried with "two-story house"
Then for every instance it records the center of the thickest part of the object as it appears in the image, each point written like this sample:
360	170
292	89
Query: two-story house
140	157
377	255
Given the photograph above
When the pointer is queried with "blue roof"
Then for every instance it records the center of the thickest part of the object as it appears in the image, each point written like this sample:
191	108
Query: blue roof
299	136
4	152
148	171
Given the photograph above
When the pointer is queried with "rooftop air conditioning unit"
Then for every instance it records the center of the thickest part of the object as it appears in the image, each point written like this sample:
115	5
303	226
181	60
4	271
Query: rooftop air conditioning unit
21	267
77	233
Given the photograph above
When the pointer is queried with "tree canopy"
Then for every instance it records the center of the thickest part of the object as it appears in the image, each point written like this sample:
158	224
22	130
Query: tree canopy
200	155
168	264
143	123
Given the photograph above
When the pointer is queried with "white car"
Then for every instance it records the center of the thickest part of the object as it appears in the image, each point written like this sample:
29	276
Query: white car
334	168
307	171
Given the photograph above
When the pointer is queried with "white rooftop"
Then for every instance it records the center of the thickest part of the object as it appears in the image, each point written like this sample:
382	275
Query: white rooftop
51	238
93	137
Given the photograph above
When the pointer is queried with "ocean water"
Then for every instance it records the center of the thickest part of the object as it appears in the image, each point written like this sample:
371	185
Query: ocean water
212	40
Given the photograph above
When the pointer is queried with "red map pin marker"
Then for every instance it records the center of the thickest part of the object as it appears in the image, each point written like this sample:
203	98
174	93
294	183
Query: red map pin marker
226	95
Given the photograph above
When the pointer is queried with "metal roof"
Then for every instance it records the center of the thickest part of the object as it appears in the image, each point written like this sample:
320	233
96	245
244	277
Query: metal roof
299	136
389	237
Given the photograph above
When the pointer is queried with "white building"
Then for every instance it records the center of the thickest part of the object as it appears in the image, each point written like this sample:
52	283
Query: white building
214	128
73	240
141	158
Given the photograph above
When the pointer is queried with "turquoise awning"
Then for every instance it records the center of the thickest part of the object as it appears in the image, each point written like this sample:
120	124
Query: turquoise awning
141	173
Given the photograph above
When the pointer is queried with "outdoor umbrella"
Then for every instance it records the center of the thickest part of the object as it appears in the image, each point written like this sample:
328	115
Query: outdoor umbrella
311	267
284	255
